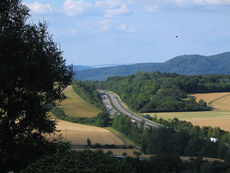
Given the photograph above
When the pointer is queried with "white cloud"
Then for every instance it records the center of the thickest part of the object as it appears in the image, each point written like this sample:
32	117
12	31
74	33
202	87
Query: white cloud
112	8
72	7
117	11
153	6
108	4
39	8
124	27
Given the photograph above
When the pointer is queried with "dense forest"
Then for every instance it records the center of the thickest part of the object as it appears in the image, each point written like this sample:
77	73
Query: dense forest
161	92
205	132
178	138
92	162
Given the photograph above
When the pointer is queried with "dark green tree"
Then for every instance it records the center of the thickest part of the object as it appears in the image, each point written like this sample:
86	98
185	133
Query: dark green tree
88	142
32	74
102	119
81	161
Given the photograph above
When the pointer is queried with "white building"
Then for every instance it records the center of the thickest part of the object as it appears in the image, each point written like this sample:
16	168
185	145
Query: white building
214	140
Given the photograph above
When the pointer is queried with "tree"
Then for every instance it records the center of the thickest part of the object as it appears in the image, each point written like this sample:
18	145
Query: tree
88	142
102	119
81	161
32	74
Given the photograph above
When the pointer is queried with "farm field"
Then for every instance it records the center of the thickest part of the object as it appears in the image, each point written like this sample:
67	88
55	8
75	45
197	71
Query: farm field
77	134
75	106
222	103
209	97
219	117
206	118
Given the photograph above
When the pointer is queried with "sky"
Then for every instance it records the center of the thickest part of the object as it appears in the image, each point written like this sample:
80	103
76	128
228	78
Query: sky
93	32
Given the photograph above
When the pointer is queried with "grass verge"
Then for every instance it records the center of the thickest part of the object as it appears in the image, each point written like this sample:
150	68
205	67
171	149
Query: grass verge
124	138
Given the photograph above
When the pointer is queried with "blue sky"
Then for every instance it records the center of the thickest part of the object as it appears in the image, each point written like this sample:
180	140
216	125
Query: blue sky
92	32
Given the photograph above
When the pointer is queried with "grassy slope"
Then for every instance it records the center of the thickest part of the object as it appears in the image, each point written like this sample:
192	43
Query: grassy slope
219	117
75	106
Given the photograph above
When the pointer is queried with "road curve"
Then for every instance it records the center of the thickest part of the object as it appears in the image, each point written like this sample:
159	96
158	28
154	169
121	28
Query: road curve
118	105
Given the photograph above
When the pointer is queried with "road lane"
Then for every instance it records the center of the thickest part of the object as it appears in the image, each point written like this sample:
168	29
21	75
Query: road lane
119	106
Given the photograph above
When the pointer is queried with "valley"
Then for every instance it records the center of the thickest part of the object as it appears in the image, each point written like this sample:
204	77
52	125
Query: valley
137	112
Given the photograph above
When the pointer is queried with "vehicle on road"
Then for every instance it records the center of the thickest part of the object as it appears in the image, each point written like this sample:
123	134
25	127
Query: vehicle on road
134	121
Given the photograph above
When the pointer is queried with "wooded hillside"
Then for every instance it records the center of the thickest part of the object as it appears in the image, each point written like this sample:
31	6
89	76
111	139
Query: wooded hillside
160	92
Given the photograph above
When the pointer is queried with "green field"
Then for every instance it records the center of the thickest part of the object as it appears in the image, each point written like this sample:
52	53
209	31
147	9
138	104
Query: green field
75	106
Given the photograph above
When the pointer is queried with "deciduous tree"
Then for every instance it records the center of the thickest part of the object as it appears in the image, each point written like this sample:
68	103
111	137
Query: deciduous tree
32	74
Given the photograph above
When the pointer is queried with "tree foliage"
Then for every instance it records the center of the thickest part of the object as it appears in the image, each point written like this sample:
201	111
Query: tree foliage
177	137
88	91
80	161
32	74
161	92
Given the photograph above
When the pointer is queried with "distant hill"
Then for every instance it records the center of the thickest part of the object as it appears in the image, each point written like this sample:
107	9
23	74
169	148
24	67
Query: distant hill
186	65
81	67
123	70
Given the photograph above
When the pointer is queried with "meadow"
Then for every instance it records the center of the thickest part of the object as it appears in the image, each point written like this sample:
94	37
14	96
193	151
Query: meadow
75	106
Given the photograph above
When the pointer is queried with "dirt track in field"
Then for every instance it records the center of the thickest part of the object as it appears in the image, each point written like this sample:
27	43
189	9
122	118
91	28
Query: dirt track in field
209	97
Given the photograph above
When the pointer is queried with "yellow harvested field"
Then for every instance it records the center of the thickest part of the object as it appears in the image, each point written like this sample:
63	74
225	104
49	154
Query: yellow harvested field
77	134
223	123
219	117
209	97
222	103
75	106
204	118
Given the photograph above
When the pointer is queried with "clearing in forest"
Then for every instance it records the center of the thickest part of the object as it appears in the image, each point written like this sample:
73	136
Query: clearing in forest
77	134
75	106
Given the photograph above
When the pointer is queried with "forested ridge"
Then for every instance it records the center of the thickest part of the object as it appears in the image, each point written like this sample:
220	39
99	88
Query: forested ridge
185	65
162	92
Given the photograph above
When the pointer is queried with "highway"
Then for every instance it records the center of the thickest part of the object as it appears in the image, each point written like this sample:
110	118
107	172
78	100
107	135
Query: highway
118	105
